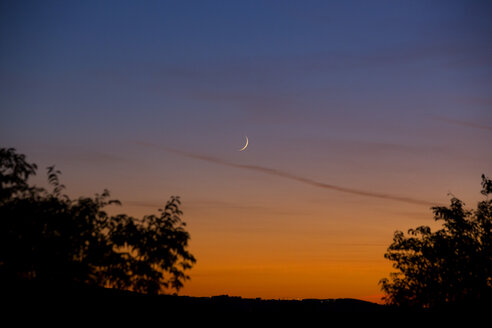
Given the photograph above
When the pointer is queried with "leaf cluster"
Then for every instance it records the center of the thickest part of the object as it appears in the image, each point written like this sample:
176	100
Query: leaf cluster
47	236
450	266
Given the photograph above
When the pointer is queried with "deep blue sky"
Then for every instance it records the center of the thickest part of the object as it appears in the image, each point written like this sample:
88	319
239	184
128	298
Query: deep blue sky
390	97
111	66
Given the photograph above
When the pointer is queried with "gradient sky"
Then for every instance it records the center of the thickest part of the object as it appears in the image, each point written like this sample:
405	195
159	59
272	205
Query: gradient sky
154	98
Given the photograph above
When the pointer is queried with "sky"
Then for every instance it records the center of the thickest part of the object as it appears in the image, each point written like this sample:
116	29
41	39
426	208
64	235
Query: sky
360	116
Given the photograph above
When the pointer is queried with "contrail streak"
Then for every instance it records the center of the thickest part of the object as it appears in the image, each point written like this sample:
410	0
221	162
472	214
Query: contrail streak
465	123
286	175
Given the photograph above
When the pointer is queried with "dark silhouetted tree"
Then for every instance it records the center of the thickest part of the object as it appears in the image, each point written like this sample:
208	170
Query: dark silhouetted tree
48	237
448	267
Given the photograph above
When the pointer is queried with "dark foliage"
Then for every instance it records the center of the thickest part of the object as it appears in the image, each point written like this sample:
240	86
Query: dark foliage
450	267
46	236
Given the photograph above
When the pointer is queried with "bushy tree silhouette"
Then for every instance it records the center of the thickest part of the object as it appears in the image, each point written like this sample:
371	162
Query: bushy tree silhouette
48	237
448	267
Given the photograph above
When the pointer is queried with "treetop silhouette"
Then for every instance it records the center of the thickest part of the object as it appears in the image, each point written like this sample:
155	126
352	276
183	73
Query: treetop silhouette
49	237
448	267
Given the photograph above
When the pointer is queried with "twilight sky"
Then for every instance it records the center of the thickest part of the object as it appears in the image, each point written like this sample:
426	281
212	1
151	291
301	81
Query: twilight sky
342	101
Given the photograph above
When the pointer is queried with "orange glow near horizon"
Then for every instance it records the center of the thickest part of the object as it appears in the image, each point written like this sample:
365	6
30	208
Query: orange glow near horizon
294	245
286	260
260	235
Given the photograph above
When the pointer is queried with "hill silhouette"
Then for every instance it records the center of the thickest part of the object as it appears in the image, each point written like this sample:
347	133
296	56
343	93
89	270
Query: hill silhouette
30	294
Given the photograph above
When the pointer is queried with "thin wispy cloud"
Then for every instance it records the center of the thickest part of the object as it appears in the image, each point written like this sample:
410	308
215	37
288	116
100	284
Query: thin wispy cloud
214	204
286	175
465	123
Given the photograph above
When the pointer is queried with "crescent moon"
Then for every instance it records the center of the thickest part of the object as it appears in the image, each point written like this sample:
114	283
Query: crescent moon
246	145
